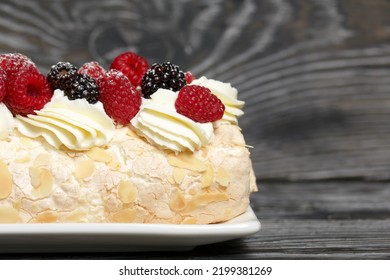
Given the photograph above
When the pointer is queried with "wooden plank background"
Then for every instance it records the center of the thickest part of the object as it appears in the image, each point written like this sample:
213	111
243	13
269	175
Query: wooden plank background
315	75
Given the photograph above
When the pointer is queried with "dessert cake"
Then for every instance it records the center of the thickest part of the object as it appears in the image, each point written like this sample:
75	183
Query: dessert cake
131	144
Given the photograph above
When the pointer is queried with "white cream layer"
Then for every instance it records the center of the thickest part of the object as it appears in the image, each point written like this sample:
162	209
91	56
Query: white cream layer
161	125
76	124
7	122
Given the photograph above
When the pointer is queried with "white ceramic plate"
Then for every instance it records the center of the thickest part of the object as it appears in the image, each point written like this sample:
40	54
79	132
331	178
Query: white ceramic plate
121	237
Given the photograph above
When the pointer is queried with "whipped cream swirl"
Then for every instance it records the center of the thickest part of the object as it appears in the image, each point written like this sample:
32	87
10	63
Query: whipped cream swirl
227	94
7	122
161	125
76	124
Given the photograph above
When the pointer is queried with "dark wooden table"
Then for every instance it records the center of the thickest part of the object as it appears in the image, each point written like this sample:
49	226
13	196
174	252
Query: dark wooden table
315	76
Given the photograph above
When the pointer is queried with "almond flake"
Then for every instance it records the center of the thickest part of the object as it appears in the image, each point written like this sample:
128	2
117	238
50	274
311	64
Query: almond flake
98	154
178	175
8	214
47	216
223	177
42	160
204	199
42	180
189	221
84	168
177	201
187	161
5	180
127	192
207	177
124	216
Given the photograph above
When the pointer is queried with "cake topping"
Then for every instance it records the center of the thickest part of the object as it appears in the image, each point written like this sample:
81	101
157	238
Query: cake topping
189	77
92	69
26	92
120	99
7	122
199	104
83	86
165	75
61	74
177	111
26	89
66	76
12	63
3	81
75	124
161	125
131	65
227	94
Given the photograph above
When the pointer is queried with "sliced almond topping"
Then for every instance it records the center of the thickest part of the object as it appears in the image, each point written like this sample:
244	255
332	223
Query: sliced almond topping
75	216
25	142
17	204
189	221
114	164
84	168
186	160
131	133
204	199
8	214
34	176
98	154
23	159
42	160
223	177
42	180
5	180
207	177
171	180
127	192
178	175
177	201
47	216
124	216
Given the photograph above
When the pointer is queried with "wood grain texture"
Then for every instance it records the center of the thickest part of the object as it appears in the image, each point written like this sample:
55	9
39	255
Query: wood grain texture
327	220
314	74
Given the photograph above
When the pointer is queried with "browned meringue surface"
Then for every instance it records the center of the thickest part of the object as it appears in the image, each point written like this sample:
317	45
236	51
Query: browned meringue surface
127	181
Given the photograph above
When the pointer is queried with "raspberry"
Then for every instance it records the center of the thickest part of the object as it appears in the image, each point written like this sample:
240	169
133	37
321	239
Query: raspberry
82	86
92	69
27	91
165	75
12	63
131	65
61	74
199	104
189	77
3	84
120	99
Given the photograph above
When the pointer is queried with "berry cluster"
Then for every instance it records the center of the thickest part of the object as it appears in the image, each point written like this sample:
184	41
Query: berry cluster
66	76
115	88
24	89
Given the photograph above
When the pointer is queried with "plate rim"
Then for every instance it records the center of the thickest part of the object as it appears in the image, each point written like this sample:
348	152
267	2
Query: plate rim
121	237
246	222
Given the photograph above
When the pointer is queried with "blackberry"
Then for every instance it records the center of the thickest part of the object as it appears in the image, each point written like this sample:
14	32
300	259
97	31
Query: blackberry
61	74
165	75
83	86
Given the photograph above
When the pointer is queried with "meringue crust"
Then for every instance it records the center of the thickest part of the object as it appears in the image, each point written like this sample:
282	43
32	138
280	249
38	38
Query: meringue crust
126	181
